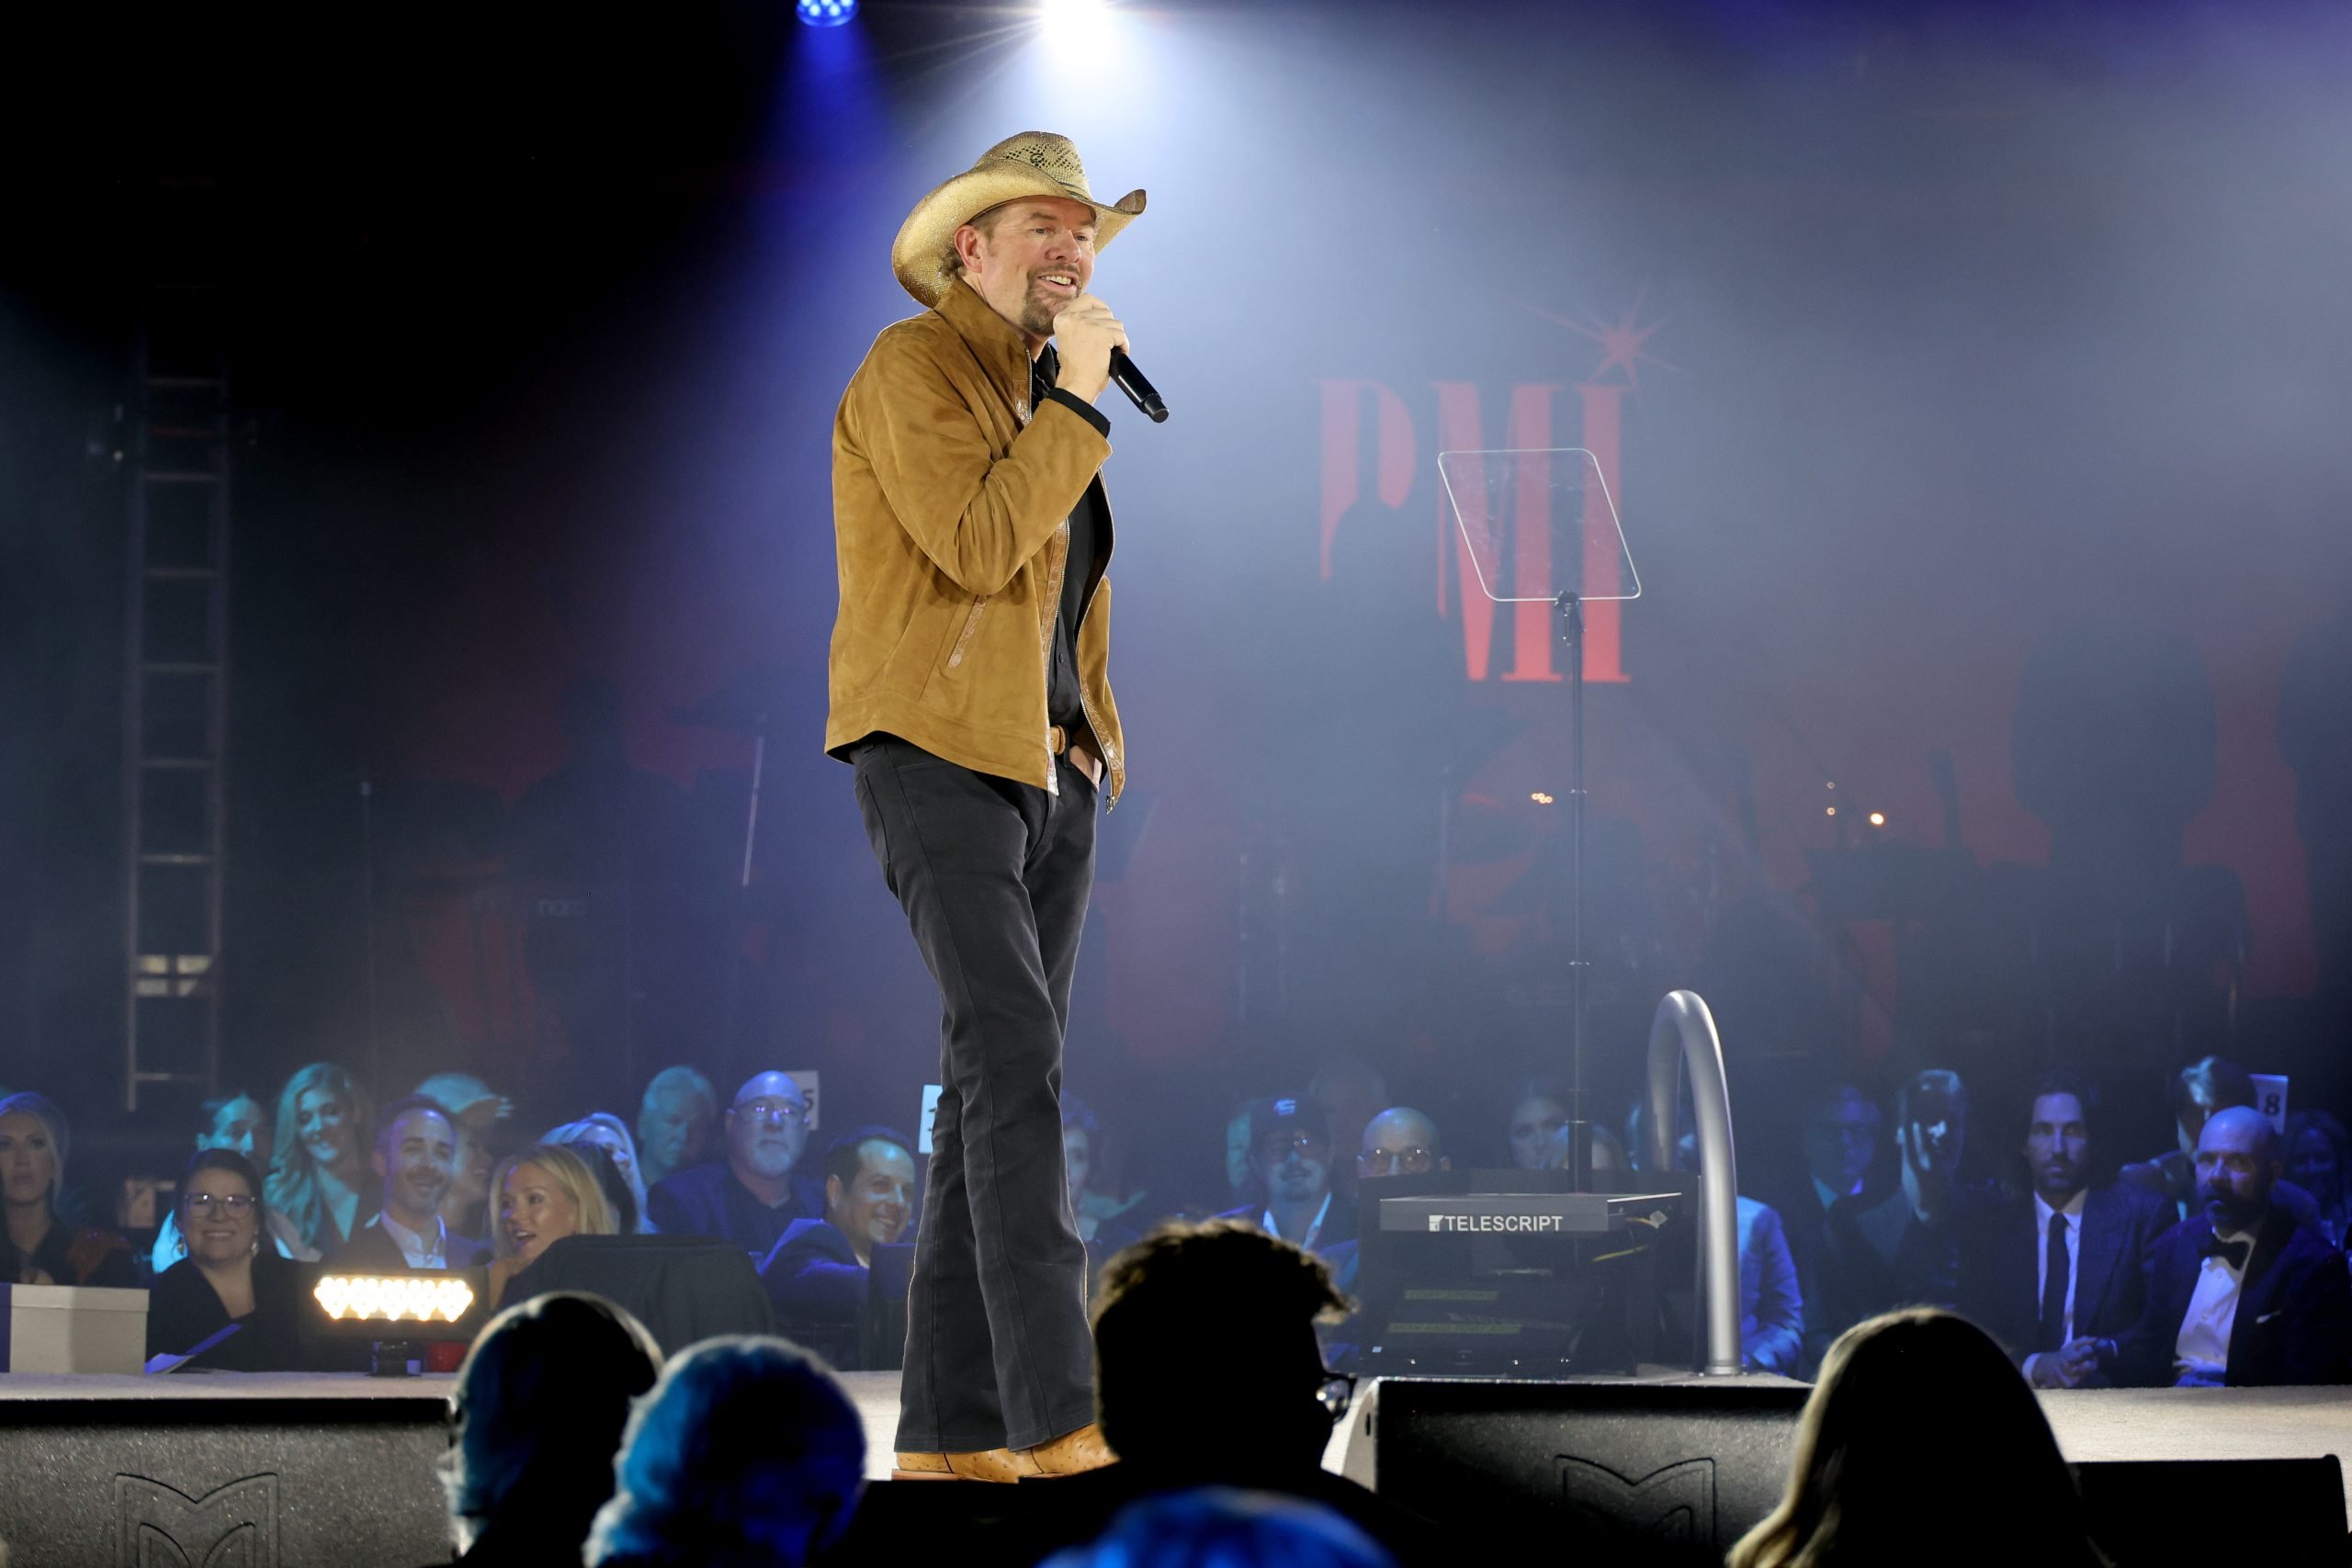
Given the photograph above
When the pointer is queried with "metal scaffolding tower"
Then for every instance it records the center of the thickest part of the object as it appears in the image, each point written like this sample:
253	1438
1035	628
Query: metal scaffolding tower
175	685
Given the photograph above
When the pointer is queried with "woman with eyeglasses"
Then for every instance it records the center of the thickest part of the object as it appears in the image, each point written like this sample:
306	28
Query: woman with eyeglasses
228	1277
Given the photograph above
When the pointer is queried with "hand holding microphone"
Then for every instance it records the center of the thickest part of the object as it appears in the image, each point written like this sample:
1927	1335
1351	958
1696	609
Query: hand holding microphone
1092	344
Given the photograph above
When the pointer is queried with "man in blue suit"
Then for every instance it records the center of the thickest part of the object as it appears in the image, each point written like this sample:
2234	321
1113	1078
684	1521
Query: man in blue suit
2062	1267
2239	1293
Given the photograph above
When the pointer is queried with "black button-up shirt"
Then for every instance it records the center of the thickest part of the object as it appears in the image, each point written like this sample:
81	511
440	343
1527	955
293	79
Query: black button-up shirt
1064	705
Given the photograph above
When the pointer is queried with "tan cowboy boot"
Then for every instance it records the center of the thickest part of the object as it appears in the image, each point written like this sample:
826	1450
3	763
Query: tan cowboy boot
986	1464
1069	1454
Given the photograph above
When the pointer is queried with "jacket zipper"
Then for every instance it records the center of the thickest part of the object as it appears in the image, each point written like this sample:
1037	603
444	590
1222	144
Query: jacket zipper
971	625
1046	648
1110	746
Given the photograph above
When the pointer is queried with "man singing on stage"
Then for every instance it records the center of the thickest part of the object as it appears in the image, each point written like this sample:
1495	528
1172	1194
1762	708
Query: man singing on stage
971	691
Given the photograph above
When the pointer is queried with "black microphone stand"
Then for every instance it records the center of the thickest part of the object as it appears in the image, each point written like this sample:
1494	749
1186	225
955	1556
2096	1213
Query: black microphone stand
1571	608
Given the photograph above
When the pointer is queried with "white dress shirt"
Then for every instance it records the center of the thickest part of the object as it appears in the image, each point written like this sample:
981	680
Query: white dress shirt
2201	1354
421	1251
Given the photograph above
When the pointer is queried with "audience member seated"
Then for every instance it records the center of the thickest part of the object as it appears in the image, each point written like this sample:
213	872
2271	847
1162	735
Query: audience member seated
228	1276
1904	1249
2063	1267
1215	1526
1400	1141
627	1220
36	1247
543	1194
1290	1155
1539	1118
1208	1372
240	1123
677	1123
1921	1445
818	1274
318	1180
747	1454
2239	1293
607	1132
2207	1084
1240	1177
1351	1090
1839	1152
1539	1132
1771	1302
481	1112
541	1404
752	1196
415	1159
2317	1151
1841	1148
1101	1215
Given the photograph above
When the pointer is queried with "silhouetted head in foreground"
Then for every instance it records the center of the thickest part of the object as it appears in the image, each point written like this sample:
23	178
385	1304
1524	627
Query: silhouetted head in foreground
1922	1444
1206	1362
542	1400
746	1452
1215	1526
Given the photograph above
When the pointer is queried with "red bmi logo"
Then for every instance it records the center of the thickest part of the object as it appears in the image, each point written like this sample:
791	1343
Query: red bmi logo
1530	422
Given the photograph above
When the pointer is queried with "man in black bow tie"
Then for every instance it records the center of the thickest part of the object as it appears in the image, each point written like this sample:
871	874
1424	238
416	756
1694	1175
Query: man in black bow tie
2239	1293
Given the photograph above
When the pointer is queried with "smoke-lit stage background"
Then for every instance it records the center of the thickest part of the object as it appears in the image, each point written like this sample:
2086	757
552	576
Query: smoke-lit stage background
1971	378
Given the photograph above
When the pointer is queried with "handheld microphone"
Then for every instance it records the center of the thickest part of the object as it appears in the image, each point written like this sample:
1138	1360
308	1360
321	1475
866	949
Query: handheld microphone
1140	391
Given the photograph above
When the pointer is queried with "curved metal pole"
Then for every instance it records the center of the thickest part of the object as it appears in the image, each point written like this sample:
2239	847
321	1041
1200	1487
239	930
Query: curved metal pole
1683	1038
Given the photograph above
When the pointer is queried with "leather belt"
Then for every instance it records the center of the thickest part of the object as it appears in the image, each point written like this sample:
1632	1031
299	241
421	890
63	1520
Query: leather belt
1081	755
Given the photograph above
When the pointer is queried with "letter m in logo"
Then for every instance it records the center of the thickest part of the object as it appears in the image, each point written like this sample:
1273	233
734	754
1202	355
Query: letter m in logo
1674	1505
158	1525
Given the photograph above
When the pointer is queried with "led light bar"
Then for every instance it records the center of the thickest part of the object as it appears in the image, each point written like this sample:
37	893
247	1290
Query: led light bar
394	1298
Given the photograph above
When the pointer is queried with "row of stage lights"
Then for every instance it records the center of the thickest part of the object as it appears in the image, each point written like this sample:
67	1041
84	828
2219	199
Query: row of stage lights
833	13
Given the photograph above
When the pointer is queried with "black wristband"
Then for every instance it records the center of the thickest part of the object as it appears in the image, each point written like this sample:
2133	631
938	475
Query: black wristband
1084	409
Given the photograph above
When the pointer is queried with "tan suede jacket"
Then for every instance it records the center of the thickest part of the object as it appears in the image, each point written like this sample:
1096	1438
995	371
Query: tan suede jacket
951	519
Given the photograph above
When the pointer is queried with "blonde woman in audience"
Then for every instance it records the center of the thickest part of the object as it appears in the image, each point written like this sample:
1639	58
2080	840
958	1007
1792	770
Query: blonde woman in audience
318	1181
1914	1410
541	1194
607	1132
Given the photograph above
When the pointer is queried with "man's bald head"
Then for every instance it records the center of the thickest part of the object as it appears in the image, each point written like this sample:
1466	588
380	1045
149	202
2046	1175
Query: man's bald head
767	1128
2240	1129
2238	1157
1400	1141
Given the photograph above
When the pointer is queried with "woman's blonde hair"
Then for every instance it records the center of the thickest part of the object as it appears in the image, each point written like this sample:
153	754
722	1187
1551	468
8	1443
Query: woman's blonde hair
293	1184
567	1171
1918	1420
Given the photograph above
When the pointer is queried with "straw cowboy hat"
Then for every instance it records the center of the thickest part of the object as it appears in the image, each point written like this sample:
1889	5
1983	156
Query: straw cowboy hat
1034	163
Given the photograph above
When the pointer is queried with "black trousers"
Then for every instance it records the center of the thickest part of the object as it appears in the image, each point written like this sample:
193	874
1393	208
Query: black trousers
994	877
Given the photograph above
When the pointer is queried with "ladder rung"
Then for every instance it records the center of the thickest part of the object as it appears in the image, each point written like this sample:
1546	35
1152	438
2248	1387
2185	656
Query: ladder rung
168	1077
180	764
183	382
188	432
175	860
178	668
181	477
182	571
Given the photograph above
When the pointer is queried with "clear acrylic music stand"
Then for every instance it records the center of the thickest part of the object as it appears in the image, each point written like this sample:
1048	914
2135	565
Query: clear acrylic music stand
1541	526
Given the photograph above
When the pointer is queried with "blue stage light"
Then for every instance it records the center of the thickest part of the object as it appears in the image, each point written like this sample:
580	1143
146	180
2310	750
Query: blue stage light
826	13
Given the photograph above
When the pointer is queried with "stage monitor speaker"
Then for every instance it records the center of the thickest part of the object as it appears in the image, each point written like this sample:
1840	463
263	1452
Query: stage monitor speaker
1678	1471
258	1470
